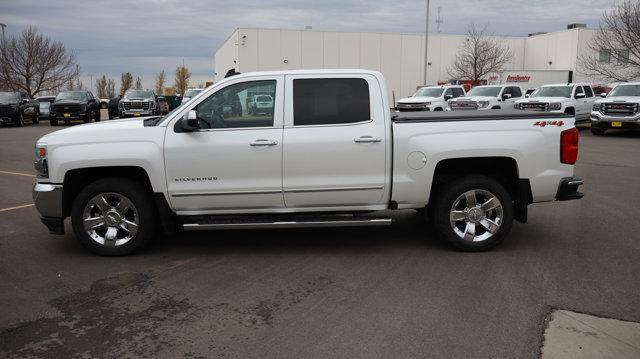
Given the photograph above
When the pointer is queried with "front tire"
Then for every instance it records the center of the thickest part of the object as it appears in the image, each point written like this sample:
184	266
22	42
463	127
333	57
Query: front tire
473	213
113	217
53	121
597	131
36	118
20	120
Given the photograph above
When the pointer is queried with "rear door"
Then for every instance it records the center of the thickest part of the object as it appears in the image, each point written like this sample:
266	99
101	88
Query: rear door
334	152
581	103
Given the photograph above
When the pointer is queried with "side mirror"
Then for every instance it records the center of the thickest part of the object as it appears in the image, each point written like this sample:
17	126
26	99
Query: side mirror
604	94
448	97
527	95
579	95
189	121
24	100
506	96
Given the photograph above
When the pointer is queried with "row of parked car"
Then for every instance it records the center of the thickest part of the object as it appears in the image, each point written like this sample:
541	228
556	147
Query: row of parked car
18	108
618	108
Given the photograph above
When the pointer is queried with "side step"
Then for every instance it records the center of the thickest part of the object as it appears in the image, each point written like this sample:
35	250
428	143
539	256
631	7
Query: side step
262	222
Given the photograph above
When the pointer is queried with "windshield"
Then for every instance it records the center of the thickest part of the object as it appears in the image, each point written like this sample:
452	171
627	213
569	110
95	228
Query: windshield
429	92
9	97
553	91
192	92
75	96
263	98
491	91
139	94
625	90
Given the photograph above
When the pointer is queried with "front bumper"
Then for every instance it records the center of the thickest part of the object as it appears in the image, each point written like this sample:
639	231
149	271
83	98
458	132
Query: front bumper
68	116
601	121
8	120
568	189
48	200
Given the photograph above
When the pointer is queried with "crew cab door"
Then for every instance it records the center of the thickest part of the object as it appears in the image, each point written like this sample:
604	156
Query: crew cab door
233	162
335	144
581	103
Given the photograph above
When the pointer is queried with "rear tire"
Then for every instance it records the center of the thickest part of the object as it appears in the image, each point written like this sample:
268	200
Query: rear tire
598	131
124	222
473	213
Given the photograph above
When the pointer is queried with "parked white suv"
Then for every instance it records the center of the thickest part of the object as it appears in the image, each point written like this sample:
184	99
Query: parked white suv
619	109
487	97
430	98
572	99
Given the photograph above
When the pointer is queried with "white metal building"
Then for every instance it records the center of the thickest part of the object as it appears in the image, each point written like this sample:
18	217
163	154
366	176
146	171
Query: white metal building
399	56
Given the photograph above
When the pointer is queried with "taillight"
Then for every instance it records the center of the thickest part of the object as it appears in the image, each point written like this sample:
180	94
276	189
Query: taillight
569	146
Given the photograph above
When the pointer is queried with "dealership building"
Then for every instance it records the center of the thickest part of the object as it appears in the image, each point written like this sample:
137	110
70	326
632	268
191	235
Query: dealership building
537	59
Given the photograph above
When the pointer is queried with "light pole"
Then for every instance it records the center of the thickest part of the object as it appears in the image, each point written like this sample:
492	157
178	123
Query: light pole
426	44
91	88
3	26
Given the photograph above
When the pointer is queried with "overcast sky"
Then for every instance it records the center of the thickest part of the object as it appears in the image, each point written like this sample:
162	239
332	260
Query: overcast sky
146	36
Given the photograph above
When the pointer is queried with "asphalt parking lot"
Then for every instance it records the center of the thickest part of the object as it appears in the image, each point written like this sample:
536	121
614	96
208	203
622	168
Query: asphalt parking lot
349	293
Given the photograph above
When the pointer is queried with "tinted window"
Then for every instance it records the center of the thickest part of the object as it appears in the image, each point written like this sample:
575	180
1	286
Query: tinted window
231	106
457	92
449	92
578	90
330	101
516	92
588	91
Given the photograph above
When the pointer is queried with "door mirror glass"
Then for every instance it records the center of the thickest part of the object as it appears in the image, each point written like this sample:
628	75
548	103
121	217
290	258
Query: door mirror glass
189	121
506	96
527	95
448	97
579	95
604	94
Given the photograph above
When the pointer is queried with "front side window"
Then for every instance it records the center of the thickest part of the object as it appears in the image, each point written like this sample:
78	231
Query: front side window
516	92
457	92
578	91
234	106
330	101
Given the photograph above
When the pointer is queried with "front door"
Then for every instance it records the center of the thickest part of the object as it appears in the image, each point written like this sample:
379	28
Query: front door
234	161
335	142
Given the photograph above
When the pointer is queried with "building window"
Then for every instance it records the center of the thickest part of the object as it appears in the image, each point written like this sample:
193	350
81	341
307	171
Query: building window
604	56
622	56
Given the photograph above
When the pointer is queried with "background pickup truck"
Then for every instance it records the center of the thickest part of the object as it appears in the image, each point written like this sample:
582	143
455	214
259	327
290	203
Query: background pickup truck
330	154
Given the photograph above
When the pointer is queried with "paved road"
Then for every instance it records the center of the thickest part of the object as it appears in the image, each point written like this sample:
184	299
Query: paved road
351	293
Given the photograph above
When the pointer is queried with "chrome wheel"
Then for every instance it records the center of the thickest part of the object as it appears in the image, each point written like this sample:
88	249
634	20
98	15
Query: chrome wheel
110	219
476	215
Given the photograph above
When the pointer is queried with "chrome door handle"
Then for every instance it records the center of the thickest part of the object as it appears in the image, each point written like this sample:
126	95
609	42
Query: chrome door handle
367	139
263	142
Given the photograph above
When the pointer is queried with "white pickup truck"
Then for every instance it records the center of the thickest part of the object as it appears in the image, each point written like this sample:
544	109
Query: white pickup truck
329	154
487	97
430	98
574	100
619	109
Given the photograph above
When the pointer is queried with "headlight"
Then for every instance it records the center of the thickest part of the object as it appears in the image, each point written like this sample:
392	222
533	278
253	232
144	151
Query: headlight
41	166
427	104
596	107
483	104
555	106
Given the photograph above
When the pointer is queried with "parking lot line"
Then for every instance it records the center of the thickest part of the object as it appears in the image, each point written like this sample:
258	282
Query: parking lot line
17	174
16	207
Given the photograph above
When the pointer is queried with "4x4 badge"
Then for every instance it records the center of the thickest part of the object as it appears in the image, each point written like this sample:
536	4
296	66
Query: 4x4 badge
549	123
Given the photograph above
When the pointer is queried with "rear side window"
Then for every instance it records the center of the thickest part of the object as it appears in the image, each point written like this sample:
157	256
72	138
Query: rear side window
330	101
457	92
516	92
588	92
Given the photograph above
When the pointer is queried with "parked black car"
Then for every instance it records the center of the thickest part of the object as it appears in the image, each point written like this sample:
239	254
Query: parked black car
16	107
112	106
74	105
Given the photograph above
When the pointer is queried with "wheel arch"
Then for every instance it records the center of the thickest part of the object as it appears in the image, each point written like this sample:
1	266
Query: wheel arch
503	169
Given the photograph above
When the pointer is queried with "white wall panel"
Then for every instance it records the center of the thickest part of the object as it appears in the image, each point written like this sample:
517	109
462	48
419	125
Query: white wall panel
312	50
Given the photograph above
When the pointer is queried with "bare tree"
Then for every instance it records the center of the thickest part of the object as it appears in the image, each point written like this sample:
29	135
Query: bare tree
33	63
479	56
138	83
126	82
101	86
615	47
111	88
182	80
160	80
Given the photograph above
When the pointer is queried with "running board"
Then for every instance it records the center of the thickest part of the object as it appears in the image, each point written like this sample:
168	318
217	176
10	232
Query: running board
289	224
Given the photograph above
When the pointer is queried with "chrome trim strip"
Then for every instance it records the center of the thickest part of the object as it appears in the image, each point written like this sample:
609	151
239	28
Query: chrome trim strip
193	194
288	224
332	189
578	182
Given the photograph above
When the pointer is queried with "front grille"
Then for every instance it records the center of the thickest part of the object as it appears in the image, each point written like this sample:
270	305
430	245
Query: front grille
539	106
62	108
137	105
619	108
411	106
6	111
463	105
